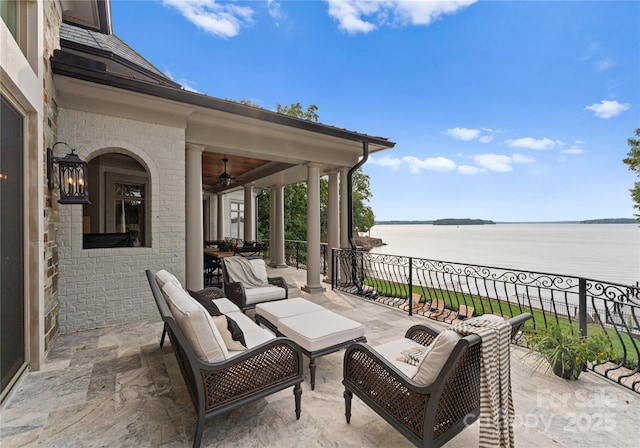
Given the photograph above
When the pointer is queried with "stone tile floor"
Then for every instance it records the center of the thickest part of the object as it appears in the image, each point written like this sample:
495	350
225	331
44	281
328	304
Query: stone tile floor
116	387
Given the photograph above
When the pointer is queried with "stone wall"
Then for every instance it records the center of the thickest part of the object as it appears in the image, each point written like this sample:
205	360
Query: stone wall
52	21
104	287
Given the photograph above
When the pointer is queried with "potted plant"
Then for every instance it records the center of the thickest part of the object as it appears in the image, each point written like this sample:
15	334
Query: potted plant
565	351
225	245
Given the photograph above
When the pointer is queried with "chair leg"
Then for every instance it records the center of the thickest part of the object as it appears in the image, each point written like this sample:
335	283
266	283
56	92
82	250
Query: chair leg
348	395
197	438
297	393
312	371
164	333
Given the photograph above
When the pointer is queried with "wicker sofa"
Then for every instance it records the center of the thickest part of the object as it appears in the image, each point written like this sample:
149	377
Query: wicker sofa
427	415
220	379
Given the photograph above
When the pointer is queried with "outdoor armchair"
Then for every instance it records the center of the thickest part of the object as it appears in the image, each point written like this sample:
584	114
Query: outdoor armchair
246	296
427	415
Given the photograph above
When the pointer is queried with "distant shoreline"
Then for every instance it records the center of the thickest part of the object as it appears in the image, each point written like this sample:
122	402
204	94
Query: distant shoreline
465	222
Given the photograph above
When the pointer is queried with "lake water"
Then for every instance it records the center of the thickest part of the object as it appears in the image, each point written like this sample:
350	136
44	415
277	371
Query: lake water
608	252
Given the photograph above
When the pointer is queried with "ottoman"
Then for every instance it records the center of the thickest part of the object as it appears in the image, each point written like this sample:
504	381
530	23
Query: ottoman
315	329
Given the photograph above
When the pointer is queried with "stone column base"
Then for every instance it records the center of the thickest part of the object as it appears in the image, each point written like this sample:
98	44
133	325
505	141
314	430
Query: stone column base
314	289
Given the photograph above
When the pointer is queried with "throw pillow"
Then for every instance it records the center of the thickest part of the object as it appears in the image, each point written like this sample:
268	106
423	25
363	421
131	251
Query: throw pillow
259	269
413	355
211	307
224	325
433	362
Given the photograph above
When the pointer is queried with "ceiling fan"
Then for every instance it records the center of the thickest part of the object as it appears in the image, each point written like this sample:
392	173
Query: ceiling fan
225	178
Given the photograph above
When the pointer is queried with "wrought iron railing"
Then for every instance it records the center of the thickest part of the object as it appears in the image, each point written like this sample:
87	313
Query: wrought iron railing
295	255
417	285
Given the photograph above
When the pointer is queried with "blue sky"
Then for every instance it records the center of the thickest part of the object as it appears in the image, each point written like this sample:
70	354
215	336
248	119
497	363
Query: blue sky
503	110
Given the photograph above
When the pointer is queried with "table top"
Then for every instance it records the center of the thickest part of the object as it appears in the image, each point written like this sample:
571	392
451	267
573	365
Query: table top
216	252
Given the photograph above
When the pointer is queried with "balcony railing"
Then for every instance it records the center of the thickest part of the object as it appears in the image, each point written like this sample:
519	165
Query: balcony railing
413	284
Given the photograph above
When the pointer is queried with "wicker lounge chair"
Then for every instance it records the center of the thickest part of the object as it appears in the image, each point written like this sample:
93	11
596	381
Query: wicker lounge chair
217	387
427	415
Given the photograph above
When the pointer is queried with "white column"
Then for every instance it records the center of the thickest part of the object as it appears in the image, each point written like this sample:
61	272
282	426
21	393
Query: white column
249	213
220	219
333	221
344	209
194	222
277	256
272	226
313	229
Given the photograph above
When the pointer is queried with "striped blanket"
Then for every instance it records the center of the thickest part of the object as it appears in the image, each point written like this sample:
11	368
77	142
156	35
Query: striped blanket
496	405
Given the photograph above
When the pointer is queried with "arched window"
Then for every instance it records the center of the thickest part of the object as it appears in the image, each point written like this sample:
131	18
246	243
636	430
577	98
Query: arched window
118	215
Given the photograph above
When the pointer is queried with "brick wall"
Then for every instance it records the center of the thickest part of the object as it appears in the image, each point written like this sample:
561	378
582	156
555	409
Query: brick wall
104	287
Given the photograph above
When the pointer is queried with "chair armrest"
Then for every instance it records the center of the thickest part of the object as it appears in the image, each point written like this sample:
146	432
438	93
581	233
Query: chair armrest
235	293
281	282
268	364
422	334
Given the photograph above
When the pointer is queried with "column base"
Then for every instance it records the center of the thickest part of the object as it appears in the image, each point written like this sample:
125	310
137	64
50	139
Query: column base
313	289
278	265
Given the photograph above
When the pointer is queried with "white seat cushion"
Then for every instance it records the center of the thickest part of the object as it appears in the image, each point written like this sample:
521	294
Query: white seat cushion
253	334
320	329
391	350
431	365
225	305
274	311
196	324
264	294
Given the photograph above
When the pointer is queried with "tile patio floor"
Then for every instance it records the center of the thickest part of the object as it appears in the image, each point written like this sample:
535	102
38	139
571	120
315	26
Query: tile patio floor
115	387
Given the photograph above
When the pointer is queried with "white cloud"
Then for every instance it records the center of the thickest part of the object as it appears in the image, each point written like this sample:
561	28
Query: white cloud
469	169
604	64
466	134
494	162
463	134
392	162
442	164
574	150
519	158
223	20
532	143
364	16
275	11
607	109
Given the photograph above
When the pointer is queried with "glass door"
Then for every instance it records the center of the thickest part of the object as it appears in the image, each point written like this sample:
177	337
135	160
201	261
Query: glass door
12	303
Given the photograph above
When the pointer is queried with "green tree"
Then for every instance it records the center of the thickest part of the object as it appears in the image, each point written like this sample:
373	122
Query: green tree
633	160
295	110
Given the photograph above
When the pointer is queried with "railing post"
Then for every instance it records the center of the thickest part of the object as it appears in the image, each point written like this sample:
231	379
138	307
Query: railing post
582	305
410	292
297	254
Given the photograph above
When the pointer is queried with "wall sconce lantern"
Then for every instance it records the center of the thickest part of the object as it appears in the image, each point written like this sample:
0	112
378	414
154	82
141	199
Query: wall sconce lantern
72	176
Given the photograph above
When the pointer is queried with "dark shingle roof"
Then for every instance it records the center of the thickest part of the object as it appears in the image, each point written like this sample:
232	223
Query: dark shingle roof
111	50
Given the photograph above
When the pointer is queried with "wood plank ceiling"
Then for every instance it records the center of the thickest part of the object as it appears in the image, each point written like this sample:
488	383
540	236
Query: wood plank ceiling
241	169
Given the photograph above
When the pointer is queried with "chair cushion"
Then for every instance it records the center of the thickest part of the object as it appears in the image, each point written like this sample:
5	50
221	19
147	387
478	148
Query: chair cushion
225	305
264	294
231	333
196	324
253	334
163	277
207	303
259	269
390	351
435	359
